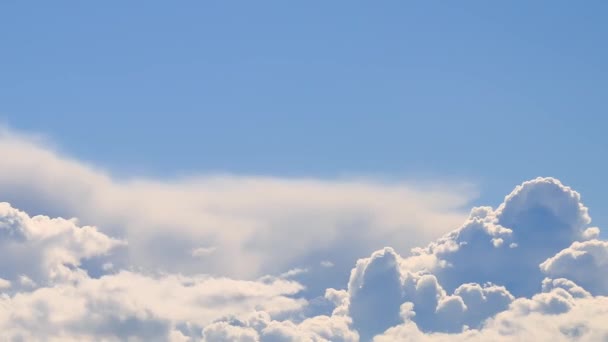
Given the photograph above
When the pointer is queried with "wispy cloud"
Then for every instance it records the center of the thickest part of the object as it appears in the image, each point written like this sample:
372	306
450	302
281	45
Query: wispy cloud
268	224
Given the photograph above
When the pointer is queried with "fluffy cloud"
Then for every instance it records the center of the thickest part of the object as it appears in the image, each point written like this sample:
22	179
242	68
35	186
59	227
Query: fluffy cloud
259	326
501	291
538	219
553	316
379	287
189	260
46	292
538	226
584	262
41	250
388	296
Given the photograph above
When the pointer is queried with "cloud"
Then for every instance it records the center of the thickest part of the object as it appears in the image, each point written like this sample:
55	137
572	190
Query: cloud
4	284
134	305
465	278
388	296
224	332
43	250
375	293
379	287
586	263
552	316
46	292
538	219
259	326
269	224
243	258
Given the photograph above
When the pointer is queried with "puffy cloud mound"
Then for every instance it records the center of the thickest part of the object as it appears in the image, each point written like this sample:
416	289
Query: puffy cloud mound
554	316
47	292
41	250
463	280
380	286
259	326
584	262
538	219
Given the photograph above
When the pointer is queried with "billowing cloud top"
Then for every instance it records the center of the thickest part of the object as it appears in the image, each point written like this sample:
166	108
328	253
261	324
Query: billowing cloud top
189	260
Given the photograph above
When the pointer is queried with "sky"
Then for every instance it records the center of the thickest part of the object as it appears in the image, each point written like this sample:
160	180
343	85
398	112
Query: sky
271	165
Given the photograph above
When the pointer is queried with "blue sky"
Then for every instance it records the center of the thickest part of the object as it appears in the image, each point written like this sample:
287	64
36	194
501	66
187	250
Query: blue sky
493	93
299	171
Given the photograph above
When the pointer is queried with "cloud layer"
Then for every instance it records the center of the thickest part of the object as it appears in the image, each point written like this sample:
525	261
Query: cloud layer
201	224
238	258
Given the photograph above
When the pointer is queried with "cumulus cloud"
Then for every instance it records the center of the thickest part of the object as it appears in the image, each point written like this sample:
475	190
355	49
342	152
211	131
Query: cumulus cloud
46	292
240	258
487	279
553	316
259	326
538	219
43	250
4	284
553	291
586	263
466	286
379	287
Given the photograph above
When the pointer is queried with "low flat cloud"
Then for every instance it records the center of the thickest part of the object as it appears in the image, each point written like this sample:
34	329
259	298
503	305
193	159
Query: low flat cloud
268	224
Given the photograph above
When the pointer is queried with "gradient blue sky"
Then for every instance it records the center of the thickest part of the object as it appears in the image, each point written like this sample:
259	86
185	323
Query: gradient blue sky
489	92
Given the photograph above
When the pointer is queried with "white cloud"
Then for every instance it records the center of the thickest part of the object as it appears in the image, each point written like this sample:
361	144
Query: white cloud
54	296
259	326
224	332
43	250
537	220
189	260
550	316
465	277
129	304
268	224
586	263
388	296
591	233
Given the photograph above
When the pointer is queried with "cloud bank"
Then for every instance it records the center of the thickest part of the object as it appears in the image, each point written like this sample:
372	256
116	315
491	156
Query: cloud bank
235	259
201	224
